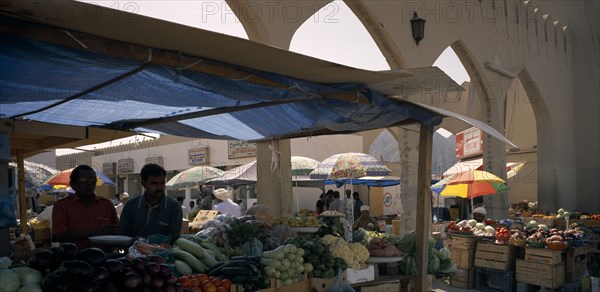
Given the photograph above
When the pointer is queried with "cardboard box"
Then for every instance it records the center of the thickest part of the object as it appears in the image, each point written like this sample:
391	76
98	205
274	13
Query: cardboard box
202	217
359	276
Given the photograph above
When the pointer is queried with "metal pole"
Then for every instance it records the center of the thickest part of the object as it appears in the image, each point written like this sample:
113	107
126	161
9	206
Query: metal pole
22	197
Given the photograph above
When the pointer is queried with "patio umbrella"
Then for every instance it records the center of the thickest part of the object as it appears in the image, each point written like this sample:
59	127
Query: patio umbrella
248	173
36	173
191	177
63	178
349	165
470	184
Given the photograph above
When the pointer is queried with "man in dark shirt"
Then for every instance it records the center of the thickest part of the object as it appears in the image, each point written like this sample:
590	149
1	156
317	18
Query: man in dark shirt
357	204
153	212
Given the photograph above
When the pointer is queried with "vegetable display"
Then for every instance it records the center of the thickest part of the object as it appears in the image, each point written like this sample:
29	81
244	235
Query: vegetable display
318	260
286	263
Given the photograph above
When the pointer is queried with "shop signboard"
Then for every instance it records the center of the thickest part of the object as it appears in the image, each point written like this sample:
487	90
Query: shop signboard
126	165
198	156
469	143
108	168
239	149
391	200
155	160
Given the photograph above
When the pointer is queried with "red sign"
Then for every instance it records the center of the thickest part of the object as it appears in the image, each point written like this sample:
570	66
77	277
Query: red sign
469	143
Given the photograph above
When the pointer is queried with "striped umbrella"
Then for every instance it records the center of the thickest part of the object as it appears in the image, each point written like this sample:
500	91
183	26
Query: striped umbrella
349	165
193	176
470	184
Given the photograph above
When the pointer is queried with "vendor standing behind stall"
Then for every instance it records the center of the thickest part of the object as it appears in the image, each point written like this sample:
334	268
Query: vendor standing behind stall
78	217
225	204
153	212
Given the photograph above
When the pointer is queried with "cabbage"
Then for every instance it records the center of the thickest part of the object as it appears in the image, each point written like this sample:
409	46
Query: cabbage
472	222
10	281
434	265
5	263
490	229
543	227
532	225
444	254
28	275
479	226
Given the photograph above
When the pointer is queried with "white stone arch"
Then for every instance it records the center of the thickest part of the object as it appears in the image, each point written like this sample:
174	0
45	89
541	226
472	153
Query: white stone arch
352	43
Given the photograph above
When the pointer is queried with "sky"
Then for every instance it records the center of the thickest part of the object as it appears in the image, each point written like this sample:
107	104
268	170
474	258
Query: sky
334	34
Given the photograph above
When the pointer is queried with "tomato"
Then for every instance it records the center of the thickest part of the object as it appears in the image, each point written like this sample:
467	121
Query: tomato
202	277
222	289
185	282
209	288
195	282
226	283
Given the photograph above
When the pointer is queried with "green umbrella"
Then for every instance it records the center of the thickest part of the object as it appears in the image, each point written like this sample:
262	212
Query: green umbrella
193	176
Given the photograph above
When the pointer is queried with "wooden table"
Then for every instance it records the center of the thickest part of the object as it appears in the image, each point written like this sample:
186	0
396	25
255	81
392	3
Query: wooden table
382	260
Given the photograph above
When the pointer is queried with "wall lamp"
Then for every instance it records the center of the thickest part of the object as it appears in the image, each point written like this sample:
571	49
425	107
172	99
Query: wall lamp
418	27
499	70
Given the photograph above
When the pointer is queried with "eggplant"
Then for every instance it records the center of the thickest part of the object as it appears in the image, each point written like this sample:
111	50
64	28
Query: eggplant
76	268
132	281
147	280
92	256
44	261
171	280
169	288
87	286
114	266
165	270
138	265
70	249
100	274
158	282
111	288
153	268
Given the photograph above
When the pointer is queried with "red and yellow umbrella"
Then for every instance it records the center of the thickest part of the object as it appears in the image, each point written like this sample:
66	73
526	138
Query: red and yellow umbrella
470	184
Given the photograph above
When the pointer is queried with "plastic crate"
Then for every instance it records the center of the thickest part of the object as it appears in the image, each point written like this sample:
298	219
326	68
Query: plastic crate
495	280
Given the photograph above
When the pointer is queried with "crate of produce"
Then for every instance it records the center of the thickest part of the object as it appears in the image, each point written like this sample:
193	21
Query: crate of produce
494	280
300	286
464	278
462	257
543	255
541	274
464	242
495	256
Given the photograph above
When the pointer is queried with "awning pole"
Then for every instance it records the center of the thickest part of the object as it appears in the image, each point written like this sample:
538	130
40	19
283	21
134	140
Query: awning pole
423	207
22	196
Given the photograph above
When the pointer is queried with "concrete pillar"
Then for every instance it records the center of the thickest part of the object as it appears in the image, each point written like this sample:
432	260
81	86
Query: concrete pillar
409	156
274	177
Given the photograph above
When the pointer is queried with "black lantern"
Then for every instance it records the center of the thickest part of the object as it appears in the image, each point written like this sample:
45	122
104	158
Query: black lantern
418	27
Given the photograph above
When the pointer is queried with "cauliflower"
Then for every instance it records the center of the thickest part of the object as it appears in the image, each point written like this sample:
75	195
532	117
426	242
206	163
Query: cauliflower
342	251
5	263
360	254
330	240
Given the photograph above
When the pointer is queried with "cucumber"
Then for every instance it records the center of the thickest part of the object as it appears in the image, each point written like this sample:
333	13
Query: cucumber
183	268
191	247
189	259
237	271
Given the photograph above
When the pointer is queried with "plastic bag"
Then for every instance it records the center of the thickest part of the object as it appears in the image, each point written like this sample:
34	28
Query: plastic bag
252	248
340	285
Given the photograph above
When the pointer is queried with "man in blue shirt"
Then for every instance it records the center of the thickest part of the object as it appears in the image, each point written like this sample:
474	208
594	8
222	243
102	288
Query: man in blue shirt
153	212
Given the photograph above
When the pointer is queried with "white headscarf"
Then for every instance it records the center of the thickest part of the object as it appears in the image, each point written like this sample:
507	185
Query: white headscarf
480	210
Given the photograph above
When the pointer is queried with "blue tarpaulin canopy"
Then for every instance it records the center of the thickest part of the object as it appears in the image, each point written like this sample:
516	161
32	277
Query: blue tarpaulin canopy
148	75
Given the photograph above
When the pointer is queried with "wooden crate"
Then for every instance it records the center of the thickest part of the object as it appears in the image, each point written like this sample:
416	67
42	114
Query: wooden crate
543	255
495	256
464	278
576	262
541	274
464	242
463	258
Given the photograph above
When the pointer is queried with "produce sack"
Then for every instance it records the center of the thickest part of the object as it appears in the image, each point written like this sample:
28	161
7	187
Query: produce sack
340	285
252	248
